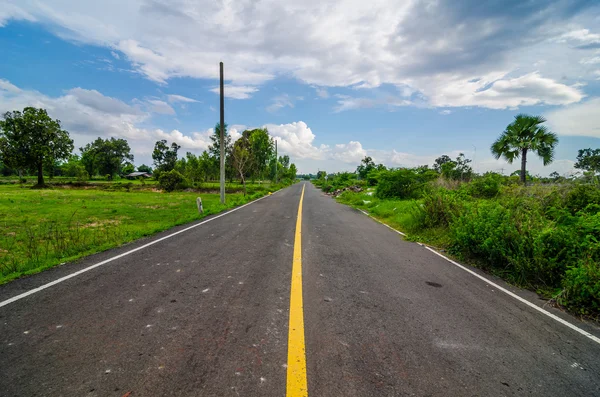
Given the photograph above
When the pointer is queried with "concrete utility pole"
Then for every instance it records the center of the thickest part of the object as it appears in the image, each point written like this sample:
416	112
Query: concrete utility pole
276	162
222	138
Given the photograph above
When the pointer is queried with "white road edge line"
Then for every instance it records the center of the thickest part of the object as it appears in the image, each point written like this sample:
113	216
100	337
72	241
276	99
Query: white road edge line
104	262
517	297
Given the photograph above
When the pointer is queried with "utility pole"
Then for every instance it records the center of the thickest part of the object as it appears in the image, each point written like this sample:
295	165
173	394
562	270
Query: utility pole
276	161
222	138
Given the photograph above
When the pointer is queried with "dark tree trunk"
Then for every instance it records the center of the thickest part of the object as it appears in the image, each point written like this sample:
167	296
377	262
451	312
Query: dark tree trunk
524	166
40	174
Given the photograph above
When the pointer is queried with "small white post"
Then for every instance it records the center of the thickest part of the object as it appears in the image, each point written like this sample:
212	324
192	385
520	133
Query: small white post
199	204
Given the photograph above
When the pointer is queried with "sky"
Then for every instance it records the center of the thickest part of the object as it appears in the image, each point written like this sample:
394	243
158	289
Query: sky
401	81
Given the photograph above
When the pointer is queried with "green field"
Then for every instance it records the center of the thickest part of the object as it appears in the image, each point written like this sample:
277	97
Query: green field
43	228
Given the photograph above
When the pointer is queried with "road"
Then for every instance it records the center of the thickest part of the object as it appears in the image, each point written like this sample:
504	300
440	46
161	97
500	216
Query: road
207	313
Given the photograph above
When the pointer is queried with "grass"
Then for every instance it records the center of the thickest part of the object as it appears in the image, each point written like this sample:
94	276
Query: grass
399	215
40	229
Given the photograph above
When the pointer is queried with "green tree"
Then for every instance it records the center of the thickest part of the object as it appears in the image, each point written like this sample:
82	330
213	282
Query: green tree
589	160
164	157
32	139
241	158
292	171
261	149
214	149
144	168
128	168
458	170
107	156
74	168
440	161
525	134
366	166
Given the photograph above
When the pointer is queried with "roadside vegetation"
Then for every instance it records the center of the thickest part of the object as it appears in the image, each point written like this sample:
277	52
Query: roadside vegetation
57	205
535	232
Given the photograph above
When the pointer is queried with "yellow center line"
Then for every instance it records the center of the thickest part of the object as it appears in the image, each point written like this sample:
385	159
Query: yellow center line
296	363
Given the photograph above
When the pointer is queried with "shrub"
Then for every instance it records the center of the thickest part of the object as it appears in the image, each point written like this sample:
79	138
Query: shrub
402	183
486	186
582	196
581	285
171	180
439	208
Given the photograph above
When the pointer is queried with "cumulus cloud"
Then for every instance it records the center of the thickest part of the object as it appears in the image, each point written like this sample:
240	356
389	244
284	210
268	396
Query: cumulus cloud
433	47
88	114
582	119
499	92
351	152
295	139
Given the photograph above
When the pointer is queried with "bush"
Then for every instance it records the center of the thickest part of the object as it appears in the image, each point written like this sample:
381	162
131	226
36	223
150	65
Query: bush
581	285
583	197
438	209
171	180
402	183
486	186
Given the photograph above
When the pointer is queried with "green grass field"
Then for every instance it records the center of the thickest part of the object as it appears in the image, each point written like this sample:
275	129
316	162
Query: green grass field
43	228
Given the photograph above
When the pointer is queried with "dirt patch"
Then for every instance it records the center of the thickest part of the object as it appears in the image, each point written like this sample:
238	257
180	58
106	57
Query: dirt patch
106	222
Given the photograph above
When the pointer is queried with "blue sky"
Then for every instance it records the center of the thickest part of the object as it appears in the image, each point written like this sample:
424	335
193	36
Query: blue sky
332	82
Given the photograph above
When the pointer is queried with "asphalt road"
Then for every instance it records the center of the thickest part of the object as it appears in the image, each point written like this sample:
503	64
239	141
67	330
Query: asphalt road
205	313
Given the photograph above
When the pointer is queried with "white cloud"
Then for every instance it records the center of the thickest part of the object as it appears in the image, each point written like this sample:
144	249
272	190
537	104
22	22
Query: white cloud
445	112
161	107
180	98
11	11
280	102
429	47
351	152
496	91
582	37
346	102
322	92
236	91
582	119
88	114
295	139
115	55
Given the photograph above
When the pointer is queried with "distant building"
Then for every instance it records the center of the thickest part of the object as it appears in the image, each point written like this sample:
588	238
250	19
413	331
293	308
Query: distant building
136	175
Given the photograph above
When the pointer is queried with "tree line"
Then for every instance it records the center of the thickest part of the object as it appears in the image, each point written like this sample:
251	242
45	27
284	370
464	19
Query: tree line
524	137
32	142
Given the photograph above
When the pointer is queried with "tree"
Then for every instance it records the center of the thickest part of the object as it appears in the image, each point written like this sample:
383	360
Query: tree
458	170
164	157
128	168
241	158
321	174
525	134
74	168
214	149
366	166
144	168
170	180
107	156
32	139
261	148
292	171
440	161
588	160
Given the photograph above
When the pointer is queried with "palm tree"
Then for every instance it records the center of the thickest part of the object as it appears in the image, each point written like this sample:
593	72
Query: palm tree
523	135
